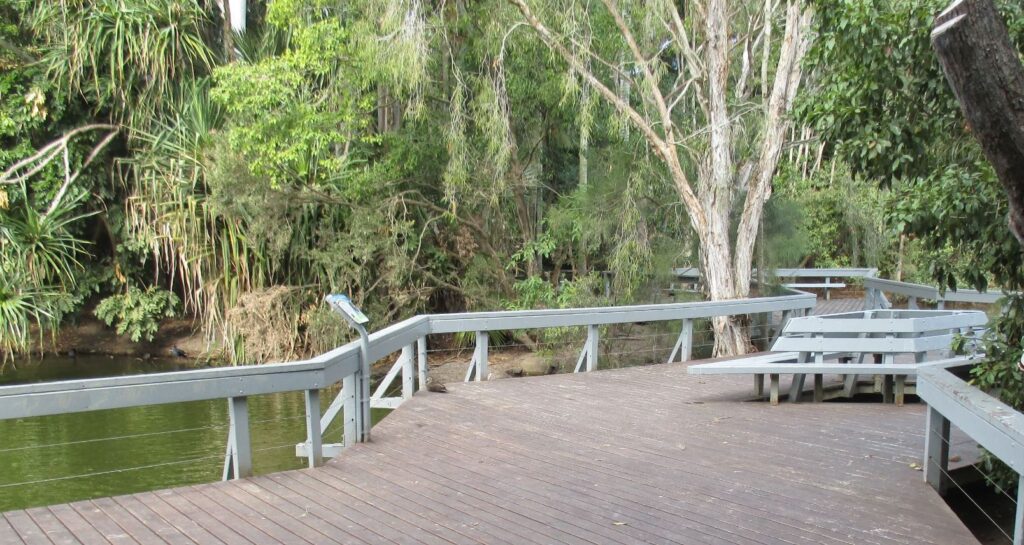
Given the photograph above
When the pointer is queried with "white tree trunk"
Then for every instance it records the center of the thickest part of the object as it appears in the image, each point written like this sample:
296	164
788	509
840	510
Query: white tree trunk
716	269
709	200
787	81
235	13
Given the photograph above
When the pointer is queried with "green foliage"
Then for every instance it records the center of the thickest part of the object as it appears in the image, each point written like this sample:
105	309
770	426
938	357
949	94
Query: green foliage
831	218
41	244
292	114
879	94
947	198
120	56
21	307
137	313
959	217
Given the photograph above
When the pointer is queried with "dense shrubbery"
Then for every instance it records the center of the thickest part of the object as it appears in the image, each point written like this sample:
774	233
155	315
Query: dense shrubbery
137	313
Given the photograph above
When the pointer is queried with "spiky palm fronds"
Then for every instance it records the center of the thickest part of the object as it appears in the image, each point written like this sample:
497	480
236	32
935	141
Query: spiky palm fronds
120	54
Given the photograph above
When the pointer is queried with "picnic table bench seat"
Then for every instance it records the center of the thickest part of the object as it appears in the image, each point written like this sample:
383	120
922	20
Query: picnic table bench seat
840	344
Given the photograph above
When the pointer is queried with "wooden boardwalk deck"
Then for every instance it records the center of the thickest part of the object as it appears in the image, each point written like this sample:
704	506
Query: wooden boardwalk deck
630	456
836	306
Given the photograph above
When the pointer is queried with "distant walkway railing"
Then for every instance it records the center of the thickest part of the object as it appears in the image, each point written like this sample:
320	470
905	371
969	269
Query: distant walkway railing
997	427
346	365
797	278
876	288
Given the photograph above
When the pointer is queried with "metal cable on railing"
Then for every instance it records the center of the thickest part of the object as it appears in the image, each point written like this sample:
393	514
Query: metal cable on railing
113	438
986	477
973	501
114	471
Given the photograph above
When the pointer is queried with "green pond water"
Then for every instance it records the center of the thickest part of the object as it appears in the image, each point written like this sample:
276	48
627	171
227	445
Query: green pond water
63	458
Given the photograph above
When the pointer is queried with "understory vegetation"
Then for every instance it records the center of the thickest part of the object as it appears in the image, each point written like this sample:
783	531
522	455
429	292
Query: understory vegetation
440	157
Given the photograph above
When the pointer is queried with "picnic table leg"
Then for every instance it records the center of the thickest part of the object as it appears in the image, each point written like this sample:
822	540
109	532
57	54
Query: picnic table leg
819	388
901	389
759	384
887	389
774	395
849	383
796	388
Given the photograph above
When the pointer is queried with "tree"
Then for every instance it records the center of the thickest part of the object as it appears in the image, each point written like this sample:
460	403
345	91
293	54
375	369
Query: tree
698	109
984	70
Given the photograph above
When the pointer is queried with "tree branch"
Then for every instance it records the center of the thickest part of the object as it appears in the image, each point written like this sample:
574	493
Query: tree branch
787	80
48	153
662	147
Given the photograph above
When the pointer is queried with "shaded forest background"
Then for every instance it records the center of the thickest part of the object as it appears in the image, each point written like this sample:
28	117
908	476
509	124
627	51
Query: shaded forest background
438	157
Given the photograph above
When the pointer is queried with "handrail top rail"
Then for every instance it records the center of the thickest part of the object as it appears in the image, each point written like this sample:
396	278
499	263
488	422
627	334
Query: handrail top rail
998	427
337	363
540	318
162	378
845	272
931	292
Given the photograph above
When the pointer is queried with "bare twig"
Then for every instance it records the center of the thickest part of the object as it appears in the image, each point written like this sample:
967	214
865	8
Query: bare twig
24	169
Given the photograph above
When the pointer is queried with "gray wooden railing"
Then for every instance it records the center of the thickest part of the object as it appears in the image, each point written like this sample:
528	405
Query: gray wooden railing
997	427
346	365
797	278
876	288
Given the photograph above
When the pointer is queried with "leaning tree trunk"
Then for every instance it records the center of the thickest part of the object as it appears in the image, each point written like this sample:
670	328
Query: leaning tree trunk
985	72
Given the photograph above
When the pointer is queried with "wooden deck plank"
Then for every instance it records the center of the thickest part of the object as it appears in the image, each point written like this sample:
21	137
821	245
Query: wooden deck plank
129	525
422	486
27	529
628	490
105	525
76	524
342	506
388	524
183	524
248	521
8	534
452	526
55	531
539	489
323	517
705	441
555	460
185	503
630	456
155	522
263	504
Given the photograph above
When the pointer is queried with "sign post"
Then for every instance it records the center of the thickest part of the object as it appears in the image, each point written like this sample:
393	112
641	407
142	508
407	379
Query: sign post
357	421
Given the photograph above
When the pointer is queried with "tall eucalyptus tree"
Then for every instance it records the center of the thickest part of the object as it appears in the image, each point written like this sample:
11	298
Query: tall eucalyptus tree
709	87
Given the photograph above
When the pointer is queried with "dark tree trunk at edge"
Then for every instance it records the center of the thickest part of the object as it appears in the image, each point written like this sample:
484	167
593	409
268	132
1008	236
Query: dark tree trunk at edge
983	68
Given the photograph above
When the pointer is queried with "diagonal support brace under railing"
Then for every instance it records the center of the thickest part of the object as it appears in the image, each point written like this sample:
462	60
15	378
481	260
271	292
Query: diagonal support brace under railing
590	350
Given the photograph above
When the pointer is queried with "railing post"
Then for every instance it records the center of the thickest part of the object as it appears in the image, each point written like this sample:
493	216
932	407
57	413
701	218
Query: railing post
936	450
421	361
362	392
314	435
350	410
912	303
1018	521
481	355
869	298
592	343
241	442
686	348
408	371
